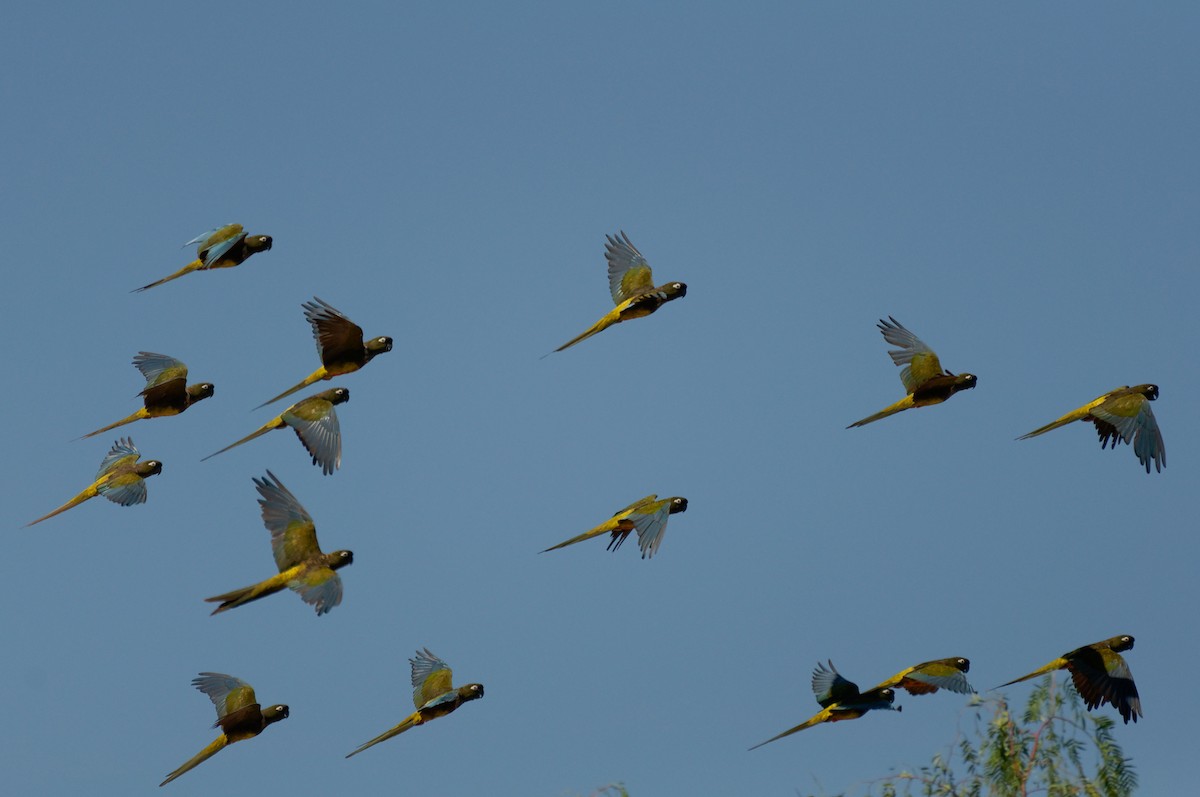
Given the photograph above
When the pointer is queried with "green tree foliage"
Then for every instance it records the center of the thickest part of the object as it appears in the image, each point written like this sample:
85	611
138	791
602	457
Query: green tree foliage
1053	748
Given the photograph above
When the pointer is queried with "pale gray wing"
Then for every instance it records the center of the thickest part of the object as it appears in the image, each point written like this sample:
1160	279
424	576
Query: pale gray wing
919	361
1140	431
629	274
322	438
650	528
320	588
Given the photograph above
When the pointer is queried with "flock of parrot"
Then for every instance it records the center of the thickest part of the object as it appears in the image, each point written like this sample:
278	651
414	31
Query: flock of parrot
1098	671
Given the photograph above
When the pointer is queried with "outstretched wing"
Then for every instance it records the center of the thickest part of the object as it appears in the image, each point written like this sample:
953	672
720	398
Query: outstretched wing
123	452
214	244
1131	418
919	361
1102	676
651	525
319	587
338	338
830	687
628	272
316	424
227	693
431	677
293	534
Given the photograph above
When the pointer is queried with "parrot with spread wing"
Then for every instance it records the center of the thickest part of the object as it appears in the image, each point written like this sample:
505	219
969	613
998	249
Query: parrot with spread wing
632	286
1121	416
339	345
121	479
315	422
930	676
648	517
302	565
1100	676
239	715
923	377
433	695
840	700
167	391
223	247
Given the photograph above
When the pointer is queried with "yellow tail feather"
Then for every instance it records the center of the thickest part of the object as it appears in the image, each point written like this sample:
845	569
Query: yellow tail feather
271	425
599	326
411	722
901	405
315	376
90	492
137	416
208	752
1057	664
1070	417
239	597
189	268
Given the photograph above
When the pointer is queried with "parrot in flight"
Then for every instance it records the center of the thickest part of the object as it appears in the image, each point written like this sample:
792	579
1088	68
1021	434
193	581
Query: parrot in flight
1121	416
167	391
223	247
433	695
1100	675
315	422
121	478
302	565
632	286
648	517
840	700
239	715
922	376
339	345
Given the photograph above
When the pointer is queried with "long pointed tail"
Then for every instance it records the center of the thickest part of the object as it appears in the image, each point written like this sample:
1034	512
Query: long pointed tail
315	376
237	597
821	717
599	326
137	416
1073	415
411	722
587	535
1057	664
208	752
90	492
274	423
188	269
901	405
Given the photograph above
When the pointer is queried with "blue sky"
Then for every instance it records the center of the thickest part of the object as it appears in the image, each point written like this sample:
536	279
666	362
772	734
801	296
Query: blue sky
1016	185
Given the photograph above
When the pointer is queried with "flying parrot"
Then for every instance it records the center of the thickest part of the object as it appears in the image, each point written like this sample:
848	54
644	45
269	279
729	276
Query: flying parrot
840	700
922	376
239	715
1121	415
433	695
167	391
632	287
121	478
316	424
1100	675
339	345
302	565
930	676
647	516
223	247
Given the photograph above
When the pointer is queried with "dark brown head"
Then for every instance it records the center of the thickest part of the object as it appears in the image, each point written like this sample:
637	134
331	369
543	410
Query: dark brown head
340	559
1149	391
257	243
1119	643
199	392
151	467
275	713
678	504
964	382
470	692
378	345
336	395
674	290
961	664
